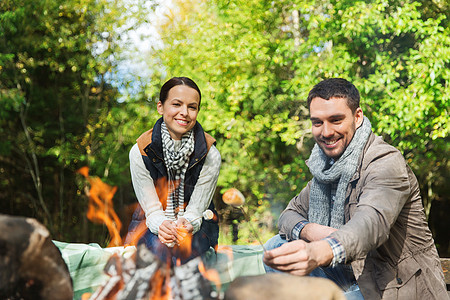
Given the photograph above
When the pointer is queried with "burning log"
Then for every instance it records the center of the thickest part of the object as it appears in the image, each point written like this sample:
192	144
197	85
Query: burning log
144	276
31	265
283	286
193	284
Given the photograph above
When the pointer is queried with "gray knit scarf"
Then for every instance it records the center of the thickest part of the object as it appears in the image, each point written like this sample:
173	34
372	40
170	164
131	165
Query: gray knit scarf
342	170
176	162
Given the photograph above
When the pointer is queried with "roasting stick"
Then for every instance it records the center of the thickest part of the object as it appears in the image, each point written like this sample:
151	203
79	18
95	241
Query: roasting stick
207	215
235	198
251	228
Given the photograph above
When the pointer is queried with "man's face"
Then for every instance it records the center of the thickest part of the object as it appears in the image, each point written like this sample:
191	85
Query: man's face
333	124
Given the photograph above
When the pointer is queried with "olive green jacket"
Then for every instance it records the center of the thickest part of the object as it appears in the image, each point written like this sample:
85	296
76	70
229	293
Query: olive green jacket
386	236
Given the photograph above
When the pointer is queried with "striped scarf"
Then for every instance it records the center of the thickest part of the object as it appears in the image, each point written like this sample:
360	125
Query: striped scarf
176	162
320	209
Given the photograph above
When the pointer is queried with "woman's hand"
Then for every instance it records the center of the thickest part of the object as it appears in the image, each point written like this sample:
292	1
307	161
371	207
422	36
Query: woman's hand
184	227
183	222
171	232
167	232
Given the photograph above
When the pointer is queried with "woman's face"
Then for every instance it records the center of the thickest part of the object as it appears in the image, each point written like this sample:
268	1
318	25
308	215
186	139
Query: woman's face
180	110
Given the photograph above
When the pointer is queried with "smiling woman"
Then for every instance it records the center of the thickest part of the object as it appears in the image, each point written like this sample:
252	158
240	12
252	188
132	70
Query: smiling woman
174	170
180	110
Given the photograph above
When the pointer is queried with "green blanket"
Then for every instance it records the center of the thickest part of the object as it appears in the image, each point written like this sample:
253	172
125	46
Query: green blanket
86	263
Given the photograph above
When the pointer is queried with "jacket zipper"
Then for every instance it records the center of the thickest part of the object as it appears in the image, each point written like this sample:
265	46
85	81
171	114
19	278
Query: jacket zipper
198	161
156	154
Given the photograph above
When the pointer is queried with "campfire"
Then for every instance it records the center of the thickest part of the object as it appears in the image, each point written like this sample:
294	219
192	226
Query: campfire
143	275
33	267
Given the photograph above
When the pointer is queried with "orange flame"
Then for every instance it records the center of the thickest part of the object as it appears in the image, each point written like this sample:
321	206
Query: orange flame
137	234
227	250
160	288
162	190
86	296
100	208
210	274
161	187
186	242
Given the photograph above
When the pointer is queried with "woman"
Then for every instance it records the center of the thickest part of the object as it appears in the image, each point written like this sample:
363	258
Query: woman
174	170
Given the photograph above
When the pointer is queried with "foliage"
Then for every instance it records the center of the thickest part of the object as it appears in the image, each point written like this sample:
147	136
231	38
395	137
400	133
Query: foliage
256	61
401	64
248	107
58	113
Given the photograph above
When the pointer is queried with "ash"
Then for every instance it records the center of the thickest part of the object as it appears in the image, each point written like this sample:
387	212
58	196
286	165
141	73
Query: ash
145	276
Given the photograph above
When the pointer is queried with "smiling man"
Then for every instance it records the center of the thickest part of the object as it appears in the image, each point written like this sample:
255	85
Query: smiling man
360	221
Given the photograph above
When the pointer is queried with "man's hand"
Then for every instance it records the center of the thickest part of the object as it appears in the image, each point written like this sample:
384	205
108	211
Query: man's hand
299	257
315	232
167	232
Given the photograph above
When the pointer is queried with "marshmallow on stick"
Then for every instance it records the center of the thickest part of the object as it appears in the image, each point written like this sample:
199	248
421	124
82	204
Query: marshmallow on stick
233	197
208	215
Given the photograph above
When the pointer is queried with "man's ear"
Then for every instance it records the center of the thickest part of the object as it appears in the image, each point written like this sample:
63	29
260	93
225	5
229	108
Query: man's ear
159	107
359	117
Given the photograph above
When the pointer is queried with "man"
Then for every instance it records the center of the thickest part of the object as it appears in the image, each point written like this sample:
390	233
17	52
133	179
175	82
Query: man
360	220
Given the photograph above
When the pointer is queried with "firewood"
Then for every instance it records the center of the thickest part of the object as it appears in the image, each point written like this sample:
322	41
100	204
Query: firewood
31	265
273	286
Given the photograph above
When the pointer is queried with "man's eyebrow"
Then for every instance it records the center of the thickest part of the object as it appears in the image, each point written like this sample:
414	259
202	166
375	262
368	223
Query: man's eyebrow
336	116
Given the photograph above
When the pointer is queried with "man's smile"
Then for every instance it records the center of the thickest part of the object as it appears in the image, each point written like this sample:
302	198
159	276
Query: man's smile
330	143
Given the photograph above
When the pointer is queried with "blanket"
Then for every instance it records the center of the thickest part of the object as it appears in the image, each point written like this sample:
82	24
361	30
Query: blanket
86	263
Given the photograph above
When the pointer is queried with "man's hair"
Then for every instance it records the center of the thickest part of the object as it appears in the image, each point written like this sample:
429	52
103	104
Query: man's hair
338	88
174	81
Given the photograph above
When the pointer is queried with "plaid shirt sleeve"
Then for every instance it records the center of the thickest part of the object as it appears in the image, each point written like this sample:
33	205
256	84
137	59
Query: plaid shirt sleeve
297	229
338	251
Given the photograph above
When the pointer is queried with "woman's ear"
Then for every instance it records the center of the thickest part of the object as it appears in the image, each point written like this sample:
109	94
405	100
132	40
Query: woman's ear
160	108
359	117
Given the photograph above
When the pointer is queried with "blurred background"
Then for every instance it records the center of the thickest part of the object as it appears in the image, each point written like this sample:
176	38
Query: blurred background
80	79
